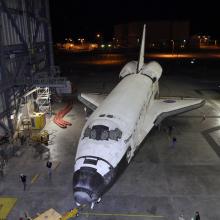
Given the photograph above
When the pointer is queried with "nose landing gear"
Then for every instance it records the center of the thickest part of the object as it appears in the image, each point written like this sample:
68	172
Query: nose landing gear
92	205
99	200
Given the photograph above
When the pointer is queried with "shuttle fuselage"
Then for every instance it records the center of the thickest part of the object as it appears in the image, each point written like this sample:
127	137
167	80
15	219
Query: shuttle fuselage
118	125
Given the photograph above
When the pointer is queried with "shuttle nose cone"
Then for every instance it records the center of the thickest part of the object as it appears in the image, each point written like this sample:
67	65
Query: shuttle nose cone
82	197
88	185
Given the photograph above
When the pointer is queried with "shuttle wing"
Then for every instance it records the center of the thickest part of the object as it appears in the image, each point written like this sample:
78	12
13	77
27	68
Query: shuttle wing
91	100
169	106
165	107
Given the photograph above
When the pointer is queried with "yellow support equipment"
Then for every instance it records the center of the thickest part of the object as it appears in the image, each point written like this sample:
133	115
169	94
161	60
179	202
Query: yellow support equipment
71	214
38	120
41	137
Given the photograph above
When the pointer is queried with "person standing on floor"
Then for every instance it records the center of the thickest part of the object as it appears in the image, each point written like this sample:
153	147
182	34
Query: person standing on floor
173	142
49	166
23	180
2	167
197	216
181	217
203	117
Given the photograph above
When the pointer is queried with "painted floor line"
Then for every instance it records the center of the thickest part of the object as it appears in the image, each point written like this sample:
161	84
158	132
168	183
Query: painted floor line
58	164
6	206
121	214
34	178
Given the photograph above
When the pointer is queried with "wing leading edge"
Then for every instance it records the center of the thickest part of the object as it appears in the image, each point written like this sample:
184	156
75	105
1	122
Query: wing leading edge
166	107
173	106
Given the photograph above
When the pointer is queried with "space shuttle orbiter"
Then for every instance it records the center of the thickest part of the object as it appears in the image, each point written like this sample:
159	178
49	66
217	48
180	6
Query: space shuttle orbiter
118	125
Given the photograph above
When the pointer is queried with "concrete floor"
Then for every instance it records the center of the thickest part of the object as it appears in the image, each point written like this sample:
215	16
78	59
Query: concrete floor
160	183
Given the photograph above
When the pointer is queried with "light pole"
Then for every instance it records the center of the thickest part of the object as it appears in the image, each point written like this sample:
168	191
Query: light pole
173	46
99	39
81	40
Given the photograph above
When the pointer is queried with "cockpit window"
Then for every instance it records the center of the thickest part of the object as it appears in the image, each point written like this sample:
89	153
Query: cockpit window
104	135
93	134
115	134
101	132
87	132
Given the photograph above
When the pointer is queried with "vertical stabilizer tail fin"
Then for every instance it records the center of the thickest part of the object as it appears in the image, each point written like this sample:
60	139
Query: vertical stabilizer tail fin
142	49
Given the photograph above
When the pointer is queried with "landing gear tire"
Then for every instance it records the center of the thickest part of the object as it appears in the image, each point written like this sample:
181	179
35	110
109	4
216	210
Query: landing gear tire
99	200
92	205
78	205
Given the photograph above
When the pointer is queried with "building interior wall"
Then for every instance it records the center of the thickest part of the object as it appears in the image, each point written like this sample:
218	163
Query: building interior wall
25	52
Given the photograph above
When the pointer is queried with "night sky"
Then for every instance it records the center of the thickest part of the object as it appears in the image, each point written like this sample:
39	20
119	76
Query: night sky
81	18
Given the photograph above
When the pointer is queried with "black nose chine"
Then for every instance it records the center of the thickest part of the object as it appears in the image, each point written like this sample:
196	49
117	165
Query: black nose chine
88	185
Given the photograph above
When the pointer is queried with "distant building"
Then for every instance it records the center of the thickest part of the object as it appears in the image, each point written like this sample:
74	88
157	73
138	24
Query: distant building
158	33
203	42
77	47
